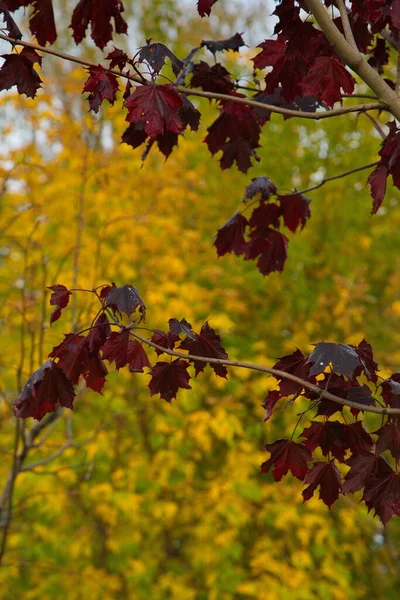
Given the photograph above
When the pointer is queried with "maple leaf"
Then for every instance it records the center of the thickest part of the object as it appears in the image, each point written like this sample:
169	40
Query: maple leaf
212	79
260	185
75	360
383	494
189	115
363	467
118	58
233	43
344	358
126	299
99	14
18	70
137	357
11	28
379	55
47	387
98	334
156	106
389	164
334	384
368	364
272	53
134	135
166	340
41	22
287	456
389	439
156	53
359	439
295	209
230	237
265	215
59	299
116	348
101	85
295	364
326	77
271	248
360	394
391	390
330	436
208	344
327	476
177	327
204	7
304	103
269	403
168	378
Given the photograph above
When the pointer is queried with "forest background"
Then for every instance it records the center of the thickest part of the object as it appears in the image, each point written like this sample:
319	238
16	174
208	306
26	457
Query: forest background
131	497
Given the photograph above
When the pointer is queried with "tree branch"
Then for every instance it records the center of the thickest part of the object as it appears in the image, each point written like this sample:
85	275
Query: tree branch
276	373
346	24
359	108
353	58
333	177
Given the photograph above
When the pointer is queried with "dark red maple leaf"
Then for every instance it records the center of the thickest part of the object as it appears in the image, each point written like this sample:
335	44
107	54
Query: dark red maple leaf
363	467
233	43
41	22
204	7
115	348
126	299
269	403
344	358
164	339
137	357
230	237
361	395
326	78
101	85
379	55
212	78
382	493
264	215
207	343
47	387
155	54
330	436
189	114
389	439
260	185
168	378
18	70
118	58
295	364
295	209
177	327
327	476
75	360
11	28
287	456
98	334
389	164
359	439
334	384
391	390
271	248
368	364
99	14
273	52
59	299
156	106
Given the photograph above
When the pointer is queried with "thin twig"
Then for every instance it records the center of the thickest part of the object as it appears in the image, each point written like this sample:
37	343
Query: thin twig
276	373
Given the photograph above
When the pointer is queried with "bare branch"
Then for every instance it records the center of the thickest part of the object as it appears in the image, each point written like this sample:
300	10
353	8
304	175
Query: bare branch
346	24
333	177
276	373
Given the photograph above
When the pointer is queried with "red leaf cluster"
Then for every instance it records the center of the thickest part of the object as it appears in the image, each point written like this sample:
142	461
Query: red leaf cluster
258	238
18	70
101	85
389	164
99	14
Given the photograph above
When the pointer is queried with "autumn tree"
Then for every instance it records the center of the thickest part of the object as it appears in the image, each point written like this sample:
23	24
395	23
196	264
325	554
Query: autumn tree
322	61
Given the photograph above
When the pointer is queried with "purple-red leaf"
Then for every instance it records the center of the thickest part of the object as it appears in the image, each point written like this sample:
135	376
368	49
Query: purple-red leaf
287	456
389	164
59	299
327	476
208	344
326	78
18	70
363	468
230	237
295	364
126	299
204	7
157	107
99	14
101	85
344	358
233	43
156	53
295	210
47	387
168	378
260	185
